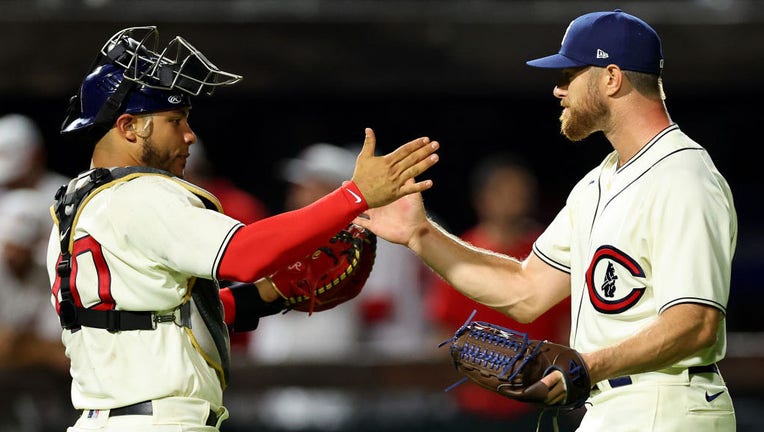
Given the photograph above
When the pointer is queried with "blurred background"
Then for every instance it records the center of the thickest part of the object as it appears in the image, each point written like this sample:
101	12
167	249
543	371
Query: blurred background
320	71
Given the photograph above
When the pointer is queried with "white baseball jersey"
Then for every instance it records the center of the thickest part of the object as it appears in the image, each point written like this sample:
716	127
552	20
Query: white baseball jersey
137	244
636	240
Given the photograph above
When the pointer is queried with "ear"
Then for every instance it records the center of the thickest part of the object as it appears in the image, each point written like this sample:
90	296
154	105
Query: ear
614	76
126	126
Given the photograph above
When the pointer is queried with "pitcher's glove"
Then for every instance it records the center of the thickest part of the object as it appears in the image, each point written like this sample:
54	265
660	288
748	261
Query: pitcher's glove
332	275
508	363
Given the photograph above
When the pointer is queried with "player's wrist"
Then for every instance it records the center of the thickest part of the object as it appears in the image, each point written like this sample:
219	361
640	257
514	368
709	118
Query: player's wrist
595	366
421	234
268	290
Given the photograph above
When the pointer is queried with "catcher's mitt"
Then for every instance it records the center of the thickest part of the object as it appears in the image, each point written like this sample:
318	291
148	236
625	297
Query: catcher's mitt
508	363
333	274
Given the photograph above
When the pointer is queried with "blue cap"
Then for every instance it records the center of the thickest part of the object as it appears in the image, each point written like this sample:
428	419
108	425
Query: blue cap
603	38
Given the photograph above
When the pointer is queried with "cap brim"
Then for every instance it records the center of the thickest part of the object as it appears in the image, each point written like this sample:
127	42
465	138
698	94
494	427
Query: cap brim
555	61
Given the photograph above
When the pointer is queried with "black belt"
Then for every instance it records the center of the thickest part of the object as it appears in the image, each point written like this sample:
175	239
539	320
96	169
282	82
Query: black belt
146	408
692	370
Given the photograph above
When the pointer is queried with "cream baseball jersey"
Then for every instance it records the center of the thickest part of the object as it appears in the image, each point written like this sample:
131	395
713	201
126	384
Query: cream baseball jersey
637	239
138	244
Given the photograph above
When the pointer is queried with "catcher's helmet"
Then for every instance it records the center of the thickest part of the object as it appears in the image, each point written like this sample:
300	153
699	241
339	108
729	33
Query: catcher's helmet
104	81
130	75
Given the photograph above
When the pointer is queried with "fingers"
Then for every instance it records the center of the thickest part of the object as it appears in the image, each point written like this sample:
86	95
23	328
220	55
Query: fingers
416	163
415	187
419	161
369	143
410	153
556	384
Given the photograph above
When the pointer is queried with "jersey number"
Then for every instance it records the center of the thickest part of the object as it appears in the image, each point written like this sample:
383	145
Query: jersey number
82	249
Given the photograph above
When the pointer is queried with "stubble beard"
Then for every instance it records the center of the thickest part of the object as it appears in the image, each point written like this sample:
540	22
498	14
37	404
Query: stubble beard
577	123
153	158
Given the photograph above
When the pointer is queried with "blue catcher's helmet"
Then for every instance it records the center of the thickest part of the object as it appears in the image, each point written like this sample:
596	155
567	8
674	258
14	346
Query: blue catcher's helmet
131	76
104	81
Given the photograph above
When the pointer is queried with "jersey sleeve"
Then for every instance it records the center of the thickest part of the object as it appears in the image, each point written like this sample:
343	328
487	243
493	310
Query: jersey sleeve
169	226
694	230
553	245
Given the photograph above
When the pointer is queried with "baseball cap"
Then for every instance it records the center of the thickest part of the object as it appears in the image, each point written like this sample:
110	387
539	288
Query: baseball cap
603	38
322	162
19	139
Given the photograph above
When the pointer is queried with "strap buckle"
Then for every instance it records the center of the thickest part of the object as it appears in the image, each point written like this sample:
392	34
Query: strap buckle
180	316
64	268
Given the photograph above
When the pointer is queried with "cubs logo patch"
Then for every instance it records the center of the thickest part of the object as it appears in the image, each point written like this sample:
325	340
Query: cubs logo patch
606	293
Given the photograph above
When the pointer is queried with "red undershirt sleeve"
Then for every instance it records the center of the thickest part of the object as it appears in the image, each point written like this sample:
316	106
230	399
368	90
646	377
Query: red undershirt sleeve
229	305
259	249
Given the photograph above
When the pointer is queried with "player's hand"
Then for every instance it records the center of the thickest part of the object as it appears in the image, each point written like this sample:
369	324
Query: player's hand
397	222
556	385
384	179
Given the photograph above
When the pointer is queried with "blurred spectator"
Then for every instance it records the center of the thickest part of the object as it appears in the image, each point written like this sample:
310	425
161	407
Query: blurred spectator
29	330
23	165
296	337
236	202
326	336
23	162
384	322
503	195
30	334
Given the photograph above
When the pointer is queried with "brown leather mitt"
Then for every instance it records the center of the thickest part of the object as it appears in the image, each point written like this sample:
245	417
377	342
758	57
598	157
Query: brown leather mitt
332	275
508	363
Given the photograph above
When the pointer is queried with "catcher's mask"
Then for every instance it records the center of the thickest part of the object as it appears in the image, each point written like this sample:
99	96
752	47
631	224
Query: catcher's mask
130	75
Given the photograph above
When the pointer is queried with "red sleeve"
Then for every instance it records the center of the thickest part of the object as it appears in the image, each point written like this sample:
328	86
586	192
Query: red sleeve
260	248
229	305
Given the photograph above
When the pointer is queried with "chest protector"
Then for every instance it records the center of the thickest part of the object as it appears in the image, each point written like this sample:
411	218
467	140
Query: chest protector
201	312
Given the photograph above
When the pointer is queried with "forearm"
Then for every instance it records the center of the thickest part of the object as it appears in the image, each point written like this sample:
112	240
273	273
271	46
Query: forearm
495	280
678	333
258	249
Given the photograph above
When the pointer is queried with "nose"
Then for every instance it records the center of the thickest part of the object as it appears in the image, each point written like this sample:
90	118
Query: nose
189	137
559	91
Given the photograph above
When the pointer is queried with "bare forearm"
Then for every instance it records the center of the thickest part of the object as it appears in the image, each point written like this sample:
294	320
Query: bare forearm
492	279
679	332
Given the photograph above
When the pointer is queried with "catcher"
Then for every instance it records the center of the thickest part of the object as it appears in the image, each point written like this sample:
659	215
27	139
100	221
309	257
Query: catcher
137	254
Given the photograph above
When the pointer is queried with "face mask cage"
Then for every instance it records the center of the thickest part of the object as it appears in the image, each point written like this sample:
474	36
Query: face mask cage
178	66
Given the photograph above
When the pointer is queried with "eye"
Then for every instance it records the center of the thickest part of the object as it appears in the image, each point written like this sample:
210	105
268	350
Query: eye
567	75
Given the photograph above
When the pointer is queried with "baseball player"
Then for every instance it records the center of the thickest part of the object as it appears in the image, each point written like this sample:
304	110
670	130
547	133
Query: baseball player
643	245
137	252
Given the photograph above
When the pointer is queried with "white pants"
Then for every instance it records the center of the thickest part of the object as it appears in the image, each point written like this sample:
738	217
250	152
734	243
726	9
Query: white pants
175	414
660	402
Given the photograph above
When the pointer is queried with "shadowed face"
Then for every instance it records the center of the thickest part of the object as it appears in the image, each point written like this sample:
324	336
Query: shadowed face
584	110
166	140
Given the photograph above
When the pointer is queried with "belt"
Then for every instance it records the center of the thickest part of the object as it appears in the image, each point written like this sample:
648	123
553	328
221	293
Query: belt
146	408
692	370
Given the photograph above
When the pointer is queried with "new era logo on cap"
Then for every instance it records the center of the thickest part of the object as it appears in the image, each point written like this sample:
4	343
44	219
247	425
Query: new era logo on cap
603	38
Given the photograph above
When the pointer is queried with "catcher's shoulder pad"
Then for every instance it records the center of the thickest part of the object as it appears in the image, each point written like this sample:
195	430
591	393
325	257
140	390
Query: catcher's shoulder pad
333	274
511	364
